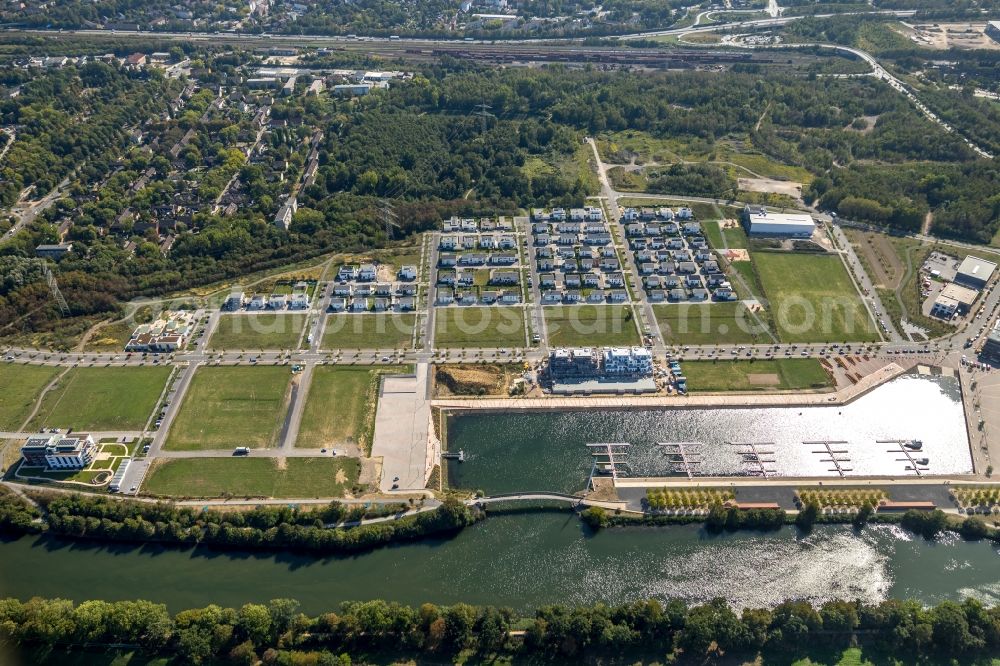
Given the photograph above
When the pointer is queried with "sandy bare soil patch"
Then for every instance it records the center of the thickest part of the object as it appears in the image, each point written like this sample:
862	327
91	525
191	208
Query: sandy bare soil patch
764	379
787	187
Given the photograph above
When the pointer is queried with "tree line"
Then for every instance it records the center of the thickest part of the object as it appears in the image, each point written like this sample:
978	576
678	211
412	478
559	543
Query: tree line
80	516
277	632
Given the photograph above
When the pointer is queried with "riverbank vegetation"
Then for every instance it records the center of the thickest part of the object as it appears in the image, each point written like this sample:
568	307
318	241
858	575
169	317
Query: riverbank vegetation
276	632
320	530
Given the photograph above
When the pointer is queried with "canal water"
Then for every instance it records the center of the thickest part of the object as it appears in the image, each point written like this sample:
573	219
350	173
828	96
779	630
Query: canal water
523	561
507	452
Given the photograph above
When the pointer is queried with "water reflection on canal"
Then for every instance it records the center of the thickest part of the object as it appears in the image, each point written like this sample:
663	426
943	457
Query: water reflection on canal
545	450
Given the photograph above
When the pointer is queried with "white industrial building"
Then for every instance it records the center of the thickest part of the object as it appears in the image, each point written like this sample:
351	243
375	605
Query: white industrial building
762	222
975	272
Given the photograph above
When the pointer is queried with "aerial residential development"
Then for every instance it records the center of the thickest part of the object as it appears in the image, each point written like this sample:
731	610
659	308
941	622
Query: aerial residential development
494	332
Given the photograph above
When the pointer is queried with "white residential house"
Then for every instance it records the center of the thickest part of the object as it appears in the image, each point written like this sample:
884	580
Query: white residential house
367	273
408	272
444	296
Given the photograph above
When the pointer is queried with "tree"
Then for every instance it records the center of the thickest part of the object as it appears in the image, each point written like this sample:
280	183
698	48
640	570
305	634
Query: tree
807	516
595	517
254	622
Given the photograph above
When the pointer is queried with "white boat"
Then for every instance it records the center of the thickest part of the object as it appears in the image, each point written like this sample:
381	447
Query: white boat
914	444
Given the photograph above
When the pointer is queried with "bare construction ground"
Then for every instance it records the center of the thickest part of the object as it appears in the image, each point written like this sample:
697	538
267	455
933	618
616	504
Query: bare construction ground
787	187
944	36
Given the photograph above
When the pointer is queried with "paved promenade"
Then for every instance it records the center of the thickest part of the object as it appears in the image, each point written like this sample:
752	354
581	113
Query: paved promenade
402	429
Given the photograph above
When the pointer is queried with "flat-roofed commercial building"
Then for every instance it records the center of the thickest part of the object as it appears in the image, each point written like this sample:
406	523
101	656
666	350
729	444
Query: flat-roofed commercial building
954	298
59	451
975	272
993	30
991	348
762	222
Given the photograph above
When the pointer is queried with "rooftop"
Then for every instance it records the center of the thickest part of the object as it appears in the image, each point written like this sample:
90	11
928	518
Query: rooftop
977	268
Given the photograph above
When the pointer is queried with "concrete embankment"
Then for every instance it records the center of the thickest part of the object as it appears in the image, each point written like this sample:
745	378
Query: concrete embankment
741	400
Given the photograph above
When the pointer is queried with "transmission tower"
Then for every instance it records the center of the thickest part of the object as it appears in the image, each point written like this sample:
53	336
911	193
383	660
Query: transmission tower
484	114
50	280
389	217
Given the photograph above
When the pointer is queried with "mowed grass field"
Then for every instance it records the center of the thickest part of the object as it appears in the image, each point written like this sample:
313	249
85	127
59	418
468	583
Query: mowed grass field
103	398
756	375
590	325
340	403
492	326
812	298
226	407
258	331
21	386
708	323
252	477
369	331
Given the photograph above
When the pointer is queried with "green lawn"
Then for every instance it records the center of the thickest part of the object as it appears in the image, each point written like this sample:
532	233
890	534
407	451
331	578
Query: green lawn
369	331
226	407
736	238
755	375
494	326
812	298
21	386
258	331
590	326
707	324
253	477
340	406
713	234
119	398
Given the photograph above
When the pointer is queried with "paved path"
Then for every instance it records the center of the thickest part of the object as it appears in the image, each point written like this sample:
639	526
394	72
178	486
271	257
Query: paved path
293	417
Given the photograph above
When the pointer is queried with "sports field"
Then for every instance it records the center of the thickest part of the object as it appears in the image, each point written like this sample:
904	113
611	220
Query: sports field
21	386
493	326
369	331
340	406
252	477
590	325
258	331
755	375
119	398
226	407
812	298
708	324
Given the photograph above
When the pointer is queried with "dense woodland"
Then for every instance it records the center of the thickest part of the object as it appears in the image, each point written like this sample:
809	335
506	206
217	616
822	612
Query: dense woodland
378	631
426	18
